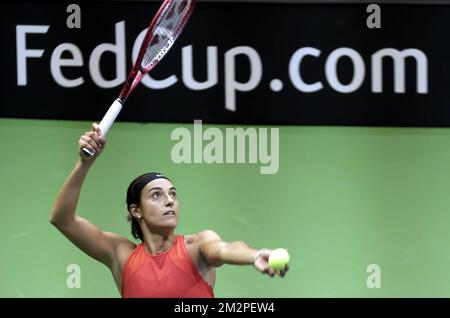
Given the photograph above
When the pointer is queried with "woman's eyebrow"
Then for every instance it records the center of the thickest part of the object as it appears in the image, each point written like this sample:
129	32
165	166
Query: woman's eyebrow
154	188
159	188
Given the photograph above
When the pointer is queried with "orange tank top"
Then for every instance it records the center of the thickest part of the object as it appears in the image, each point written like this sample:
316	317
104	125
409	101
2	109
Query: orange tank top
171	274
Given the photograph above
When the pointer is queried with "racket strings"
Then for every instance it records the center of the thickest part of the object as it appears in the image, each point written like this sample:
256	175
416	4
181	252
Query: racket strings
166	32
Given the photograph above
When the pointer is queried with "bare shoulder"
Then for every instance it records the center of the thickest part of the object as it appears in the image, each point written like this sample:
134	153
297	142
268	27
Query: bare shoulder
209	235
123	247
202	236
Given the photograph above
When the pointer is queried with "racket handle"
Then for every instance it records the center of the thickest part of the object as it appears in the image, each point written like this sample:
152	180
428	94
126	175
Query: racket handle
107	121
110	116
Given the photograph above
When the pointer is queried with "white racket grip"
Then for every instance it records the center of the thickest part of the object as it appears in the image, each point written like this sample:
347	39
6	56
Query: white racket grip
110	116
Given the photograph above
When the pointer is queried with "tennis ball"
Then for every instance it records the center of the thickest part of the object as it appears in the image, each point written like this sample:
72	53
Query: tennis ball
278	258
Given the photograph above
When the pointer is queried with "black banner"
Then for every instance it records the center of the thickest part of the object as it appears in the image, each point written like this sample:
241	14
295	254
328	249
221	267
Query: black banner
239	63
223	307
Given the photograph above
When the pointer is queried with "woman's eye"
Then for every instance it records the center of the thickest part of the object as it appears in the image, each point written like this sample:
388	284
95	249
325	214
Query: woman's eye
155	195
173	195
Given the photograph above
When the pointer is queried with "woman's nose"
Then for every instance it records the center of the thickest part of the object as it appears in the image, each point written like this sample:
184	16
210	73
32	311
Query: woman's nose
169	200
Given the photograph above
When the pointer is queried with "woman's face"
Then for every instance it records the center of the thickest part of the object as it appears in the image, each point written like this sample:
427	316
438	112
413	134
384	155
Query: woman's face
159	204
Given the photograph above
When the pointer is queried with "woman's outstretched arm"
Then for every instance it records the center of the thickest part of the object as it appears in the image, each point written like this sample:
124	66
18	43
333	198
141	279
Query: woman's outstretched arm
217	252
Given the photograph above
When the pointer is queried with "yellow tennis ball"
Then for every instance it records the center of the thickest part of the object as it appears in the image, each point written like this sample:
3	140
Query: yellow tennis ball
278	259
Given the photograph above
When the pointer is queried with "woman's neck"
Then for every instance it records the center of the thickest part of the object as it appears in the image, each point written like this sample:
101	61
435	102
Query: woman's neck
157	243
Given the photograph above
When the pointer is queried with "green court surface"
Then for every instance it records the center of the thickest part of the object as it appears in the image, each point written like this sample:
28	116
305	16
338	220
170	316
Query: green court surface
343	198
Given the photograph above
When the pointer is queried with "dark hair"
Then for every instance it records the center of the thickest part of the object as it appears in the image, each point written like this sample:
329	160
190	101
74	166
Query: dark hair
134	197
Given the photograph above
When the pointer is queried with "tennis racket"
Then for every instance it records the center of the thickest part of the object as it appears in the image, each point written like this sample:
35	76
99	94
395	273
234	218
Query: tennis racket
164	29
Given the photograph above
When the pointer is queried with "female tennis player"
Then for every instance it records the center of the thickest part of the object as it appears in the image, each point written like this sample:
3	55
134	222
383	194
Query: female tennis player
164	264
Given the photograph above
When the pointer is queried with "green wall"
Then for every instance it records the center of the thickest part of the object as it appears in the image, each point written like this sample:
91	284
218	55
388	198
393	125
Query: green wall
343	198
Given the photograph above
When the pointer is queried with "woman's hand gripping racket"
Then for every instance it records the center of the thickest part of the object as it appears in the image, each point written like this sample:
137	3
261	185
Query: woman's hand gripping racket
164	29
